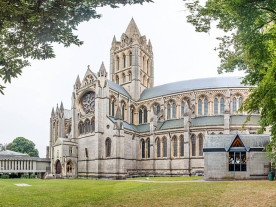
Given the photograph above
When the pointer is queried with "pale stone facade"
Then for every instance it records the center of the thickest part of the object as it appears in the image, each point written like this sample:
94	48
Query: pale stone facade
126	127
18	163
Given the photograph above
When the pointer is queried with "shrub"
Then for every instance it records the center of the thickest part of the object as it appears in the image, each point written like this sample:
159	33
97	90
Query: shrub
25	176
4	176
32	176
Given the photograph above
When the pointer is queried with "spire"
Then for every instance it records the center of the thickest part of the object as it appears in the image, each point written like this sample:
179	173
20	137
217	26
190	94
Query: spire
118	115
114	39
53	111
149	43
102	71
57	109
78	82
132	29
61	107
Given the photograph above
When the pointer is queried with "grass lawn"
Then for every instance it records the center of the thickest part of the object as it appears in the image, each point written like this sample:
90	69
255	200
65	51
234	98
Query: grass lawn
77	192
186	178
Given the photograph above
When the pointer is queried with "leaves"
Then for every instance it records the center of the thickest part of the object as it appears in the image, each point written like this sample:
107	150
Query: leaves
23	145
249	44
28	29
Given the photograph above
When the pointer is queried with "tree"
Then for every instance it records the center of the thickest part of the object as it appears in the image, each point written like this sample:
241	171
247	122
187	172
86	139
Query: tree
29	28
23	145
249	44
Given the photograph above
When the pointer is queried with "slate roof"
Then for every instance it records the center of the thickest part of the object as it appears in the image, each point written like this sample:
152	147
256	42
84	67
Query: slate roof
118	88
188	85
239	120
225	140
12	153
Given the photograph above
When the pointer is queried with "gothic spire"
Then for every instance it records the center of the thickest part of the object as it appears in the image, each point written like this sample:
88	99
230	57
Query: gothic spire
78	82
132	29
61	107
57	109
114	39
102	71
149	43
53	111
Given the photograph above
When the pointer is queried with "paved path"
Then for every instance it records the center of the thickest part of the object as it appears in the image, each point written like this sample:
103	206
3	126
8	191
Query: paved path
193	181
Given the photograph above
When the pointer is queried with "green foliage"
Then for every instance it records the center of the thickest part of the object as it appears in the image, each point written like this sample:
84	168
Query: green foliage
32	176
28	29
249	44
4	176
23	145
24	176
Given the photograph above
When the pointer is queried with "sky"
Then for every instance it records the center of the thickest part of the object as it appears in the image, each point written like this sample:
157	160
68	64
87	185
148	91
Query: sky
180	53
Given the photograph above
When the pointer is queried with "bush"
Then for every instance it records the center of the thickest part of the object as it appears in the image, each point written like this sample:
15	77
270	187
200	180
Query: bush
32	176
25	176
4	176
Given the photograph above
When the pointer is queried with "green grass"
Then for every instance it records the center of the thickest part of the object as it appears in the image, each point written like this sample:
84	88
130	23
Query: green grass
77	192
186	178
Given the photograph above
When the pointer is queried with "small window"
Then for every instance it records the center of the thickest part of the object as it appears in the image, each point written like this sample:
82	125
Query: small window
200	107
200	140
193	145
108	147
70	151
143	148
205	107
182	146
221	106
148	148
234	105
164	147
237	161
175	147
216	106
158	147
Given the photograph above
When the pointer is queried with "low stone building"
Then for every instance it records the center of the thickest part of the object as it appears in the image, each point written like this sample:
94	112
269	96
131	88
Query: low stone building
239	156
16	164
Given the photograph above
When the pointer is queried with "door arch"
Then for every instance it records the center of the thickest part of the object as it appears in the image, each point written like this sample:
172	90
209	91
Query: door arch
58	167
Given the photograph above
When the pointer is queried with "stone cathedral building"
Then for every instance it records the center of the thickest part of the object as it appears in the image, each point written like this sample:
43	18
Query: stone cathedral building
124	126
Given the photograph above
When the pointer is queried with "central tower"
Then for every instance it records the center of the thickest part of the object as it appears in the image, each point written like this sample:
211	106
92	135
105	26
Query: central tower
131	61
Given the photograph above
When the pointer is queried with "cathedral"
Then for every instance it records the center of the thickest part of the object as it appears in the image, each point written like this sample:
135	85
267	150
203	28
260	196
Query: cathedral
122	126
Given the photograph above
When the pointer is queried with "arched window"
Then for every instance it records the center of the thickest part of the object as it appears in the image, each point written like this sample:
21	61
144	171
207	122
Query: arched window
87	126
112	107
200	107
124	57
132	115
148	148
200	142
234	105
124	78
143	148
182	109
81	128
148	85
216	106
205	107
158	147
182	146
169	111
174	111
117	79
145	115
118	63
140	116
123	111
175	146
193	145
221	106
108	147
130	59
93	124
129	76
164	142
240	102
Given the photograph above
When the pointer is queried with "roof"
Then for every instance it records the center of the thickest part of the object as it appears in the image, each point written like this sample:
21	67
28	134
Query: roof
239	120
118	88
194	84
225	140
12	153
132	28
